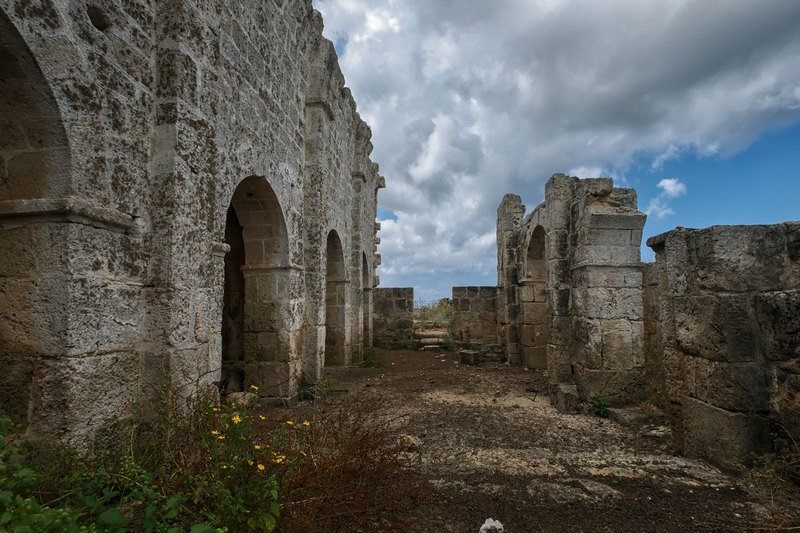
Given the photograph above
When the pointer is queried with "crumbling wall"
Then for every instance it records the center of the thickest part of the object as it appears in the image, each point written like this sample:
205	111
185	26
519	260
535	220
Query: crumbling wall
571	284
393	317
474	317
730	328
129	131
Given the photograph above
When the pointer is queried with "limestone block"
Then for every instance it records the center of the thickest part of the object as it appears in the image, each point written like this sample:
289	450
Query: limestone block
619	387
730	386
527	294
617	345
610	222
605	237
560	330
607	253
527	335
778	317
559	364
731	258
540	293
600	302
723	437
589	343
535	357
535	313
608	277
559	272
77	401
720	327
565	398
272	379
561	302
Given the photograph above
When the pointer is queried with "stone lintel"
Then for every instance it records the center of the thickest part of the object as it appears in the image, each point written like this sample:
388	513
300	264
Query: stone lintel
72	210
633	221
607	264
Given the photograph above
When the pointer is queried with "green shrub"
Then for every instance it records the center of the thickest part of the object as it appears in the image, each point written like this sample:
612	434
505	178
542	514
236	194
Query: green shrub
600	406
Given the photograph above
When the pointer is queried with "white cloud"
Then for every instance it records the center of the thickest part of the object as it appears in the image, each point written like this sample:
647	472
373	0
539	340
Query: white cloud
470	99
672	187
658	208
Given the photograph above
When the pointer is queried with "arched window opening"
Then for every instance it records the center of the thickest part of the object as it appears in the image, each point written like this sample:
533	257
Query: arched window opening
334	301
256	313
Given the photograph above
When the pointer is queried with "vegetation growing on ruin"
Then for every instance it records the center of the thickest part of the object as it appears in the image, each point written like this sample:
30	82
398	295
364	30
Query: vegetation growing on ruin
215	469
438	314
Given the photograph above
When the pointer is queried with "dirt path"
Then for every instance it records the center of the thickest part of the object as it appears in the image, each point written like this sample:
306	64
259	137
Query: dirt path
489	438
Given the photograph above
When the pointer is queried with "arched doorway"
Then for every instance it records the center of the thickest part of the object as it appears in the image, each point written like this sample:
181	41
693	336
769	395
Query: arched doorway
366	302
535	330
335	301
256	310
34	165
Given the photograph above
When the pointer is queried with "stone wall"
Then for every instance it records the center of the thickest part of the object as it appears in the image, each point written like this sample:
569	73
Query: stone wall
474	317
393	317
571	287
729	314
186	197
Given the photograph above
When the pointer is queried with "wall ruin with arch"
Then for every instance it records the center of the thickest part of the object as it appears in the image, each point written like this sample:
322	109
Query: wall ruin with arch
570	288
710	331
172	176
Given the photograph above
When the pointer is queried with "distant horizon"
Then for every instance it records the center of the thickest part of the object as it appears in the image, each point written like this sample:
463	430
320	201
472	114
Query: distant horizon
695	105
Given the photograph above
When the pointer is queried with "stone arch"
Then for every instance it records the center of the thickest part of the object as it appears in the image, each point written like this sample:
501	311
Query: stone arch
34	152
256	311
366	301
335	301
35	171
535	330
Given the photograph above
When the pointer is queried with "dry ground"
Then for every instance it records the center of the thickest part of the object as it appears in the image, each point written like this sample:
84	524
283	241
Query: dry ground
489	439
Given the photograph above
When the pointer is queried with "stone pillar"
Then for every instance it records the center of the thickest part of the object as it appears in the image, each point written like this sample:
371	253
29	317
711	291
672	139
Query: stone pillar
509	219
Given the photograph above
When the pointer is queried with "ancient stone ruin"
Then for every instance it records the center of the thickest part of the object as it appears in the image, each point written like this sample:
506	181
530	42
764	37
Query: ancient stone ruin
710	331
187	202
186	198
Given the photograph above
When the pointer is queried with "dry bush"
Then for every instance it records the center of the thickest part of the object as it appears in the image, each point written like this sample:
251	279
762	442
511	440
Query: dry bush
349	471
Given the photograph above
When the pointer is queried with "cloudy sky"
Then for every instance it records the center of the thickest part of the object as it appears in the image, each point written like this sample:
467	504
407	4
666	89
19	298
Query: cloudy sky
695	103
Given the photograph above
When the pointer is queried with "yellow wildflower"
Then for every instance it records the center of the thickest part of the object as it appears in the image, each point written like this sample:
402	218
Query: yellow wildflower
221	437
254	388
262	417
257	446
214	432
250	462
306	423
236	419
260	466
290	422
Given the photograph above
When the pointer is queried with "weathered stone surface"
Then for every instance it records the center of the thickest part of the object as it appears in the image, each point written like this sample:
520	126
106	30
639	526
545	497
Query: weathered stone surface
574	262
475	318
724	437
778	317
393	317
724	304
162	174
